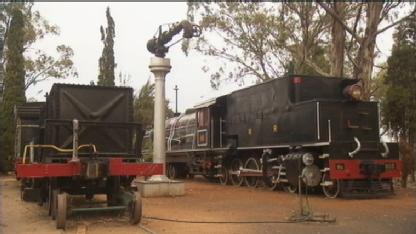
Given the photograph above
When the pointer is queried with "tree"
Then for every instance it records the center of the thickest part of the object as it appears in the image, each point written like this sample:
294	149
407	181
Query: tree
144	105
44	66
262	40
363	35
399	103
14	93
338	40
22	26
106	61
39	66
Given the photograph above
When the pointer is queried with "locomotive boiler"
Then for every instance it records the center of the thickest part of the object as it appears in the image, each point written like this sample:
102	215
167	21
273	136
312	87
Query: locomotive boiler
81	142
308	127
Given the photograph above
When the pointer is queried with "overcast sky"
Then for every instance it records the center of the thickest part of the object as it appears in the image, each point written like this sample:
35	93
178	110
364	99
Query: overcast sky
135	23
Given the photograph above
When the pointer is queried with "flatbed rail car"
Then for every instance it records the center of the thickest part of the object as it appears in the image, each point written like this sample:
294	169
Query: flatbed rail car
81	142
264	131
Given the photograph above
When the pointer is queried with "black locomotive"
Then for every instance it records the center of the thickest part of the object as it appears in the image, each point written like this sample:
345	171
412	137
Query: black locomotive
313	128
81	141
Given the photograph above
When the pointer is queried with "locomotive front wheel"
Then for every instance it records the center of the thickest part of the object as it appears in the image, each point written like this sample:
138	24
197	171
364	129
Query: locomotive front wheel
251	181
224	178
233	172
61	210
291	188
332	191
135	209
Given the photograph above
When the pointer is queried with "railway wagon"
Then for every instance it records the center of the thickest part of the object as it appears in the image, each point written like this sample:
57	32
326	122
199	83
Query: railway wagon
81	142
308	127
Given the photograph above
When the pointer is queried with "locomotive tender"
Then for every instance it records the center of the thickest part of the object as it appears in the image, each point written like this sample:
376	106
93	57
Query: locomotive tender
313	128
81	141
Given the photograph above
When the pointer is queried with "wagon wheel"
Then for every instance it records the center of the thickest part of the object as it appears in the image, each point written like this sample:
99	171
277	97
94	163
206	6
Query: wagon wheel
251	181
62	200
331	191
224	180
113	188
171	171
135	209
233	172
50	198
54	203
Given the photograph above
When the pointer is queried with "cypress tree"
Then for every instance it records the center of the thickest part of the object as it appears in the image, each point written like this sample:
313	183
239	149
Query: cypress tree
106	61
14	84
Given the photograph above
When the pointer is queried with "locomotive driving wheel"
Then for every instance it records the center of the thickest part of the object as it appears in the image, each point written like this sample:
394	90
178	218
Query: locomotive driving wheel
135	209
224	176
251	181
234	173
271	183
61	210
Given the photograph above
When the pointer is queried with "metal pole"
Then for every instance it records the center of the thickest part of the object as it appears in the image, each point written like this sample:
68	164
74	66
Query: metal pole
159	67
176	99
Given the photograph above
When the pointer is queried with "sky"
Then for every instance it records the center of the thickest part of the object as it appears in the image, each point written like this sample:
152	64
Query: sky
135	24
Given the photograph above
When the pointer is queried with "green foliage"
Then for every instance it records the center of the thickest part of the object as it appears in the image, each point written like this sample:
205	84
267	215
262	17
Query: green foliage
14	93
106	61
144	105
399	104
144	113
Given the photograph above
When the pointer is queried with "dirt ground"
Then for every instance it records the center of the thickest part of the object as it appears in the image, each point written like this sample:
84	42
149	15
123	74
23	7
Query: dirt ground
211	202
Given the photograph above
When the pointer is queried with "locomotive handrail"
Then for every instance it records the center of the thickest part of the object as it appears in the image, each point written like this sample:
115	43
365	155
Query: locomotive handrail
55	148
352	153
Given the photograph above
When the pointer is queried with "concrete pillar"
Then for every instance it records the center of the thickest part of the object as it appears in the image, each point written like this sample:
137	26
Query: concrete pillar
160	185
159	67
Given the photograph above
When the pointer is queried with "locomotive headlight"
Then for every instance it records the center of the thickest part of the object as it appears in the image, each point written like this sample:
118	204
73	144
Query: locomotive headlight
307	159
353	91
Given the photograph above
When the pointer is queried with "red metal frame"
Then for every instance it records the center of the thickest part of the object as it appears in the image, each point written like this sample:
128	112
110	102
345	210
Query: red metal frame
352	169
116	168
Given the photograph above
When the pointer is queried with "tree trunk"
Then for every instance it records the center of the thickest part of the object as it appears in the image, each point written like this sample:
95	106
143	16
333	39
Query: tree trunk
338	41
365	56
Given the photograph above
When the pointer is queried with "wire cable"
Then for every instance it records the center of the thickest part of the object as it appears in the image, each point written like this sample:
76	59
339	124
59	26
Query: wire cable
235	222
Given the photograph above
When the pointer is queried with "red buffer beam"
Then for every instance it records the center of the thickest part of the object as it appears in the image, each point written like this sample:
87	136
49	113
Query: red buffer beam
116	168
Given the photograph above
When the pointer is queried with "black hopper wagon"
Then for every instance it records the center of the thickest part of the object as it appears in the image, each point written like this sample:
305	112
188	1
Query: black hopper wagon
316	128
81	142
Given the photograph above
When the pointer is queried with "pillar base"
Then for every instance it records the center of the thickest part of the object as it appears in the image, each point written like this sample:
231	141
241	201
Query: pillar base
160	186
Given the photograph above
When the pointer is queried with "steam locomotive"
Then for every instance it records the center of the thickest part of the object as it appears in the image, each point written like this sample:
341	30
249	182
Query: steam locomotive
81	142
290	131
